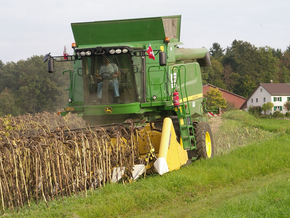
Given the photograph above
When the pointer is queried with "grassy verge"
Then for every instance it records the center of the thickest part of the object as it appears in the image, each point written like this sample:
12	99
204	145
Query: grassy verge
250	181
240	128
271	125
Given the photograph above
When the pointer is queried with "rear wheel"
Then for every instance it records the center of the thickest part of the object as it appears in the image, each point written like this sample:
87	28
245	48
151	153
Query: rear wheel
204	140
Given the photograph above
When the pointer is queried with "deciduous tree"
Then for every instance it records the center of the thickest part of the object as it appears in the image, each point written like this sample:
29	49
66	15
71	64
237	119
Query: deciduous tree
7	103
216	51
267	107
287	105
214	99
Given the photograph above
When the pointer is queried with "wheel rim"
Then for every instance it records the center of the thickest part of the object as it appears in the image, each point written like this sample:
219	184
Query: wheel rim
208	144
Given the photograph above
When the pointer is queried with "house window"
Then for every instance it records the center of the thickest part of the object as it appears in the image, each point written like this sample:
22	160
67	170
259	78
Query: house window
288	98
277	99
264	99
257	100
277	108
252	100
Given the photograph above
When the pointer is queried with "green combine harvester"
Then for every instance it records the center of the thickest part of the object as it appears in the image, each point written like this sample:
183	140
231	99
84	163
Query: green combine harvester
134	69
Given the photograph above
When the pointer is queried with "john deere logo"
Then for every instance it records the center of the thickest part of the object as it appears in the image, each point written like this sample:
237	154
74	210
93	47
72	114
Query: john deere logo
108	110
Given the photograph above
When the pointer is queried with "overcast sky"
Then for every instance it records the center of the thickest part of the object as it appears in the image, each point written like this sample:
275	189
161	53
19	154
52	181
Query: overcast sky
34	27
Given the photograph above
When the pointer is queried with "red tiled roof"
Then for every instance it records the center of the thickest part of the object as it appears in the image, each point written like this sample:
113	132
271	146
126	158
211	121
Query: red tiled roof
229	96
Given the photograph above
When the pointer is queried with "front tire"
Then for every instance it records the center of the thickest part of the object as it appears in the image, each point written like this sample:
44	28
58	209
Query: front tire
204	140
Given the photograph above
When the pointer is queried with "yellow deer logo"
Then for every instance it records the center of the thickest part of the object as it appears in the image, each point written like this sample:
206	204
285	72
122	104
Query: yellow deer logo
108	110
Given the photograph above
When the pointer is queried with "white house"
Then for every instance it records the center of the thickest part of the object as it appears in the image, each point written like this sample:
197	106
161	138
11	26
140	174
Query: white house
277	93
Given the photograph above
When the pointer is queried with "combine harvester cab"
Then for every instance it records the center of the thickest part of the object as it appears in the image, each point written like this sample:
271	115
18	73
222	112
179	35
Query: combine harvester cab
150	80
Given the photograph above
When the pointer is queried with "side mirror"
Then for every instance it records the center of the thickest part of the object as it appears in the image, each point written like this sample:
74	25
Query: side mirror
46	57
49	60
50	65
162	58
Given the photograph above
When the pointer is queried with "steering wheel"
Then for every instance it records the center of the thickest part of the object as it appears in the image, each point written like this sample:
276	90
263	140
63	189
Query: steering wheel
107	75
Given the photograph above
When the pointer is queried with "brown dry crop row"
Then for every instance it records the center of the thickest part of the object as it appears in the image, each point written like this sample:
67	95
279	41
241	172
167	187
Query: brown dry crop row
41	161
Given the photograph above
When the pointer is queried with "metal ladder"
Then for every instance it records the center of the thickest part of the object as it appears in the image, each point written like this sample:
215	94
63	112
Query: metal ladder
183	113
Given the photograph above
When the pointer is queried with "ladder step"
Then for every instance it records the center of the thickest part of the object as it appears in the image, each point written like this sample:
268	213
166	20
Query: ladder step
186	126
188	137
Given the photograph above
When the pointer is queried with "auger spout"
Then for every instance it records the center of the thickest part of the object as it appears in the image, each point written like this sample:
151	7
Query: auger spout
201	55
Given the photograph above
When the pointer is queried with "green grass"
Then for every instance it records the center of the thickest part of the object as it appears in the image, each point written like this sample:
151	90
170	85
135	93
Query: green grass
240	128
271	125
252	180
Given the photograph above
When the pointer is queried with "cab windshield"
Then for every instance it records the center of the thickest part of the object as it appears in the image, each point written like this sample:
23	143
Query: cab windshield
111	79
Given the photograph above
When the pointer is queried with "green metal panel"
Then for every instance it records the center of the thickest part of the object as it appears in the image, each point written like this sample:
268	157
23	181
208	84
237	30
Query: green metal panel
193	82
90	110
122	31
156	79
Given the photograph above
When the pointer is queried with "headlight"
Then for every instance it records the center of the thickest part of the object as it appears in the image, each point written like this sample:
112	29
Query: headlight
125	50
69	100
83	53
154	97
88	53
118	51
112	51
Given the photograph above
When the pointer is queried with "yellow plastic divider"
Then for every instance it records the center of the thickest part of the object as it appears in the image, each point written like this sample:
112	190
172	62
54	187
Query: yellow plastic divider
171	154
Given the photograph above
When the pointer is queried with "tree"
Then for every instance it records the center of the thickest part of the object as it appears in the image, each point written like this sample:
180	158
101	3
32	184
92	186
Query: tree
269	65
285	60
288	49
230	78
7	103
216	51
214	74
284	67
215	99
9	75
267	107
1	64
250	66
245	86
242	58
40	91
277	53
284	74
33	89
287	105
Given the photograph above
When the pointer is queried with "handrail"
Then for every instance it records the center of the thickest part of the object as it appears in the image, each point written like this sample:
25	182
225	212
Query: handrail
184	112
181	91
185	87
215	110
